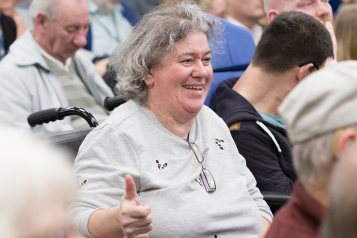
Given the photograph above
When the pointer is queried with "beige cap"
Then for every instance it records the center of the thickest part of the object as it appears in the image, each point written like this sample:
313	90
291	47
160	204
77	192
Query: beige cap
323	102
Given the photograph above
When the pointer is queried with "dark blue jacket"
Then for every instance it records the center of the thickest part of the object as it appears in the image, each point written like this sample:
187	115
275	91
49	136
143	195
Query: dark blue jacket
270	162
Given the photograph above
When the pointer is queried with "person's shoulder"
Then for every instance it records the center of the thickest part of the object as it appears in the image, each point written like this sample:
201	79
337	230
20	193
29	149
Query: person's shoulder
123	114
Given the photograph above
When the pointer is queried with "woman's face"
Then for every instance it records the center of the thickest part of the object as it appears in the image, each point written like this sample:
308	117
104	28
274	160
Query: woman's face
178	86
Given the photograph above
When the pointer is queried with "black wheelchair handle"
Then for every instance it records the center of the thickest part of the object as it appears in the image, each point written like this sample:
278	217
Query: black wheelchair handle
44	116
111	103
54	114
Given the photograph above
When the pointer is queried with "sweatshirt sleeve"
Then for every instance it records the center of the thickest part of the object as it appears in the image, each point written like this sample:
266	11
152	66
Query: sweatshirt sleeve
103	160
255	194
262	162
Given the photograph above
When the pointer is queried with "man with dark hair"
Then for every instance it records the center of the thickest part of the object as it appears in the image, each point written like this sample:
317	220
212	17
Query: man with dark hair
292	46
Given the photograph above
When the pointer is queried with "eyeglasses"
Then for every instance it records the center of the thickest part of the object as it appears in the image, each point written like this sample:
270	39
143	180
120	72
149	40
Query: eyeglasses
315	65
205	175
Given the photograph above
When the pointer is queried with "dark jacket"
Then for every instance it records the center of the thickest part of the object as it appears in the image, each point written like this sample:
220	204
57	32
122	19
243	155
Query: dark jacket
270	162
9	30
299	218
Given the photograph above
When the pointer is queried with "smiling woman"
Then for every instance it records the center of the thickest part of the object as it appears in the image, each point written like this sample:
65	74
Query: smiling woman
167	141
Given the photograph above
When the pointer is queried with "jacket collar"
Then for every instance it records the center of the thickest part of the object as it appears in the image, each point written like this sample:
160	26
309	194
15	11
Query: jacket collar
25	51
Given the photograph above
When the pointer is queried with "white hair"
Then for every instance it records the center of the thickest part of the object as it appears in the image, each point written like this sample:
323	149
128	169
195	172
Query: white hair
153	38
32	175
314	159
48	7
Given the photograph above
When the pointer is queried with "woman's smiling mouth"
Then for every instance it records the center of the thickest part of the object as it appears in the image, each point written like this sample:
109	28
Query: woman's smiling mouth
193	87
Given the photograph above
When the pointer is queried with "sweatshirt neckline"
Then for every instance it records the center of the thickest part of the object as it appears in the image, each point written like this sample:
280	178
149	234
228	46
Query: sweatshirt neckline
191	134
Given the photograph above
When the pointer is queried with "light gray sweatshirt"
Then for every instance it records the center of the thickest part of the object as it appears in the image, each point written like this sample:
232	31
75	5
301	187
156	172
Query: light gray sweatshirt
132	141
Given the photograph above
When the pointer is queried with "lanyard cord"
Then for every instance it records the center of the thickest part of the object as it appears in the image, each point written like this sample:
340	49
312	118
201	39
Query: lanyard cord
114	37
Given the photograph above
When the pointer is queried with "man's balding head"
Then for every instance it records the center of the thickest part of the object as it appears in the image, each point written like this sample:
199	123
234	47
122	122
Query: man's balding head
318	9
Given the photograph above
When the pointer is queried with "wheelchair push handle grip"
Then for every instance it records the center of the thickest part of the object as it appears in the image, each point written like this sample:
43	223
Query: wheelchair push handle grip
45	116
110	103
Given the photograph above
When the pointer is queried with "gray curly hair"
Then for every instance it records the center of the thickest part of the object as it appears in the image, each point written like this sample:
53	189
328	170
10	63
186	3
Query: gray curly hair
153	38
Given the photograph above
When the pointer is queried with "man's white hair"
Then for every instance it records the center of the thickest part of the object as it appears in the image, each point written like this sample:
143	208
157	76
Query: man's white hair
48	7
32	175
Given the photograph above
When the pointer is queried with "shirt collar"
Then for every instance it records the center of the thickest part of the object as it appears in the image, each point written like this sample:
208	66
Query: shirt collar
93	8
62	66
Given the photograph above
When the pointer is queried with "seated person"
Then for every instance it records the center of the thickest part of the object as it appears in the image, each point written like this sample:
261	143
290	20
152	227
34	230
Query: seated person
246	13
21	17
8	30
182	159
346	28
292	46
110	25
321	10
43	70
34	181
341	219
322	125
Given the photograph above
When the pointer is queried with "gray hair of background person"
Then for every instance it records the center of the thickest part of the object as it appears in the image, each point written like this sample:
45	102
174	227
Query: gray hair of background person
341	218
313	159
292	39
153	38
48	7
32	176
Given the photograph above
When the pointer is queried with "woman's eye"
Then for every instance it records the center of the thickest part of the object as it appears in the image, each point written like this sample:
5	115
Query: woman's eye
187	61
206	60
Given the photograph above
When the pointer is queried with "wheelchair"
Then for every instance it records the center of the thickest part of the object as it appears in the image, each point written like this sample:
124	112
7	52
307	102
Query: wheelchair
71	140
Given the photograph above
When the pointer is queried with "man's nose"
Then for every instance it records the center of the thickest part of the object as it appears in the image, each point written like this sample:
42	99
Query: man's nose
80	40
324	10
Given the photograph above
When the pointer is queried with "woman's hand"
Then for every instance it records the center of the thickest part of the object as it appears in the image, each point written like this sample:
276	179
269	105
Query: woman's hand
135	219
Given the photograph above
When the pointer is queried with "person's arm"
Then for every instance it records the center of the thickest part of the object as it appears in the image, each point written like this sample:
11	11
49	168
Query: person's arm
264	163
266	226
127	220
255	194
15	100
105	158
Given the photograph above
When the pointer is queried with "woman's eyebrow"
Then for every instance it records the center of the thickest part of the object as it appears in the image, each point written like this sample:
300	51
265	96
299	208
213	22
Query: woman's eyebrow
195	54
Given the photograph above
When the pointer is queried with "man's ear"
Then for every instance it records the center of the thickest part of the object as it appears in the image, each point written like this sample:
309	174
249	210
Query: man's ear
345	140
41	22
149	80
272	14
304	71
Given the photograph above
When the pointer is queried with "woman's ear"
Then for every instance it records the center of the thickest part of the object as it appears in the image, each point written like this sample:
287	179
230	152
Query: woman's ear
149	80
304	71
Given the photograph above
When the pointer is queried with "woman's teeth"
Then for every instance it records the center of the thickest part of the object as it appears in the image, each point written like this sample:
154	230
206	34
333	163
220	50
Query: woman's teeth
193	87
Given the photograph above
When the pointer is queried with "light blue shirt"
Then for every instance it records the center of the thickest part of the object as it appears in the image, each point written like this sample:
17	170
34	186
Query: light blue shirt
108	30
273	119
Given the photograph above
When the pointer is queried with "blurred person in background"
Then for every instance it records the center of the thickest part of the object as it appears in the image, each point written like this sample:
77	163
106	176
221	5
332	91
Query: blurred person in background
344	3
346	33
216	8
35	182
319	9
21	17
44	70
341	218
141	7
246	13
111	22
8	30
321	122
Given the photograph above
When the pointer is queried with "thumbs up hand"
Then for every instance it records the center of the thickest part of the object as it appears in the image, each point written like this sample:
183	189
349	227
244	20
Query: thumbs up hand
135	219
